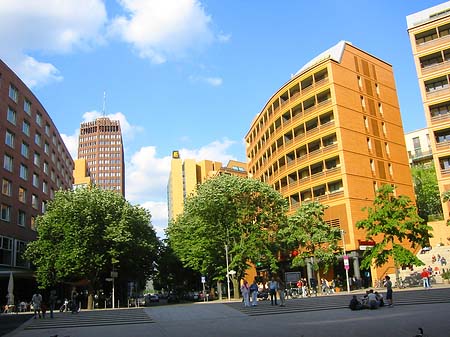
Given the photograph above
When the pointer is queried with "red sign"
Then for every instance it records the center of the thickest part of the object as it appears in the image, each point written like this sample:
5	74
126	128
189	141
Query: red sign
346	262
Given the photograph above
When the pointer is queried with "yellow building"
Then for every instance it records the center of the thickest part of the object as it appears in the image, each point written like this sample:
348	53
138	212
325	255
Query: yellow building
186	174
429	32
81	176
333	133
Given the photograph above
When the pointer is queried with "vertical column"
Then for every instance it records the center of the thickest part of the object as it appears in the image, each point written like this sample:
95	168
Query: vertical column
356	270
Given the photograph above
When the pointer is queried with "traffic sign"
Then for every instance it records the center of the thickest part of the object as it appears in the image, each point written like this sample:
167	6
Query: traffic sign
346	262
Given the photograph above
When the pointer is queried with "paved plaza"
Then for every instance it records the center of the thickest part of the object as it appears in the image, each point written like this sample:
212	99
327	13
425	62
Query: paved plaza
324	316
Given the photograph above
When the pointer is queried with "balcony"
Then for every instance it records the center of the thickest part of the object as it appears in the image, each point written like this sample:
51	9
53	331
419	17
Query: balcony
438	93
442	145
435	67
440	118
432	43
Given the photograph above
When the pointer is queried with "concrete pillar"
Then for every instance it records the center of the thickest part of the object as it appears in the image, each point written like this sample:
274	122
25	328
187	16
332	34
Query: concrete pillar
356	269
309	269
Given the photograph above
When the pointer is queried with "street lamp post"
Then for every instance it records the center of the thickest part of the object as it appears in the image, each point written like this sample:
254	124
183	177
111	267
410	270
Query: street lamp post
345	258
228	272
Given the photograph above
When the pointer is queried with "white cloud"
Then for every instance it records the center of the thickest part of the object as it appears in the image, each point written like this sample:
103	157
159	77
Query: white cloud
213	81
147	176
161	29
71	142
159	213
47	26
128	131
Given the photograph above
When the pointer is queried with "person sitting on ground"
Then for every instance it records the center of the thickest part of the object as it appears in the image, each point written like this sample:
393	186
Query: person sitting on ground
380	299
372	302
355	304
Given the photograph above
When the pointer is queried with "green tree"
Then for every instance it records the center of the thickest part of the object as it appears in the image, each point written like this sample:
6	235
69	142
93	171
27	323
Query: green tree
313	238
392	223
85	233
427	192
243	214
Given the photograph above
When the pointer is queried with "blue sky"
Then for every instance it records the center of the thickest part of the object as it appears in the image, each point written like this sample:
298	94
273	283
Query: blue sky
188	75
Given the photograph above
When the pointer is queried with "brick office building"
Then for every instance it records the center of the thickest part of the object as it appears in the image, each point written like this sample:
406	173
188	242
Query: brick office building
34	164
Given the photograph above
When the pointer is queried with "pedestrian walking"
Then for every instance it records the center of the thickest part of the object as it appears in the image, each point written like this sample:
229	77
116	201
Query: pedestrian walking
52	301
36	300
388	285
273	288
254	293
245	290
281	291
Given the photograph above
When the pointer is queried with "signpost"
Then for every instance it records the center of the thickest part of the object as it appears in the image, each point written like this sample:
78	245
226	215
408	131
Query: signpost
346	260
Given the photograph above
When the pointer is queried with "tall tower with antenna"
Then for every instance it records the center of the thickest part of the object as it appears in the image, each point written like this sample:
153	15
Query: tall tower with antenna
100	143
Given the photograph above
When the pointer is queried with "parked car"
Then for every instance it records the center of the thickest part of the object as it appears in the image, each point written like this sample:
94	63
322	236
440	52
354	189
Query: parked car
153	298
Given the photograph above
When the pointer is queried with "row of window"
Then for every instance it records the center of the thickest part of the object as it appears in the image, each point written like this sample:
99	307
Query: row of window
7	188
300	153
107	181
101	142
301	86
102	155
12	118
436	84
440	109
432	34
12	252
101	136
92	163
8	164
106	174
316	192
105	168
100	149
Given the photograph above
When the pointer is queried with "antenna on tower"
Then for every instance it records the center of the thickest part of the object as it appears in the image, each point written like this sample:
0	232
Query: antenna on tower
104	104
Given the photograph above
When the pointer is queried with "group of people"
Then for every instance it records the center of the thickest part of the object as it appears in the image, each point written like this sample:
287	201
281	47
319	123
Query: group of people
373	300
275	286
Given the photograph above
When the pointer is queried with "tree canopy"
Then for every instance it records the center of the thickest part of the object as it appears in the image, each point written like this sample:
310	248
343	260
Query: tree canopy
393	223
243	214
311	236
426	188
85	232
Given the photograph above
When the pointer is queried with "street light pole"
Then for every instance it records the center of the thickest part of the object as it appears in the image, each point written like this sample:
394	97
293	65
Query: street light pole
345	257
228	272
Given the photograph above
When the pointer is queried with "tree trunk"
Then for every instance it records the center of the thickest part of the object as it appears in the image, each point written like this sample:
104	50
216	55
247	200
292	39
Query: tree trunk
219	289
235	288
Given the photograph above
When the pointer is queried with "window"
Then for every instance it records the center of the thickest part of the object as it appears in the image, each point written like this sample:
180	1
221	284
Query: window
23	173
36	159
33	223
6	187
27	106
47	130
436	84
38	118
5	212
24	149
35	180
26	128
5	250
21	218
9	139
37	139
34	201
21	246
45	187
13	93
22	195
11	116
8	163
46	148
45	167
